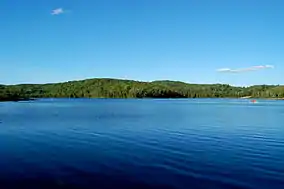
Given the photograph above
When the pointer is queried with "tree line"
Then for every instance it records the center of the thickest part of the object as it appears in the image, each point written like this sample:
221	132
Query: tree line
117	88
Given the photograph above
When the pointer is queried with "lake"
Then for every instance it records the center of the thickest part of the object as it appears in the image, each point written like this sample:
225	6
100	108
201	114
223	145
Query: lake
142	143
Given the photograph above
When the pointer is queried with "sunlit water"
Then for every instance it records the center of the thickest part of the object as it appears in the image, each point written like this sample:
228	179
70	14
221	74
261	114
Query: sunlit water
119	144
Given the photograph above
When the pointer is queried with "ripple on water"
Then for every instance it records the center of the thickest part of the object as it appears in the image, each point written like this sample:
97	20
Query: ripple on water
142	143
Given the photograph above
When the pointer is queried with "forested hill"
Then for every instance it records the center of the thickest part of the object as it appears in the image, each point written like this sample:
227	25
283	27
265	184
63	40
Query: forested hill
117	88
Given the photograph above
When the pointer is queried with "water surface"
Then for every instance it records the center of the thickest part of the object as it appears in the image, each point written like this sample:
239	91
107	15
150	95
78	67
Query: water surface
142	143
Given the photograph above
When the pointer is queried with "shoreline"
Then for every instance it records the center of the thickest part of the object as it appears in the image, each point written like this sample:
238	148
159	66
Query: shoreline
33	99
16	100
118	88
251	97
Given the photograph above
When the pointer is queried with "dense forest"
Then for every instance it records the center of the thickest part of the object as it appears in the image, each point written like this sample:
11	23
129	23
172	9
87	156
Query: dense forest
117	88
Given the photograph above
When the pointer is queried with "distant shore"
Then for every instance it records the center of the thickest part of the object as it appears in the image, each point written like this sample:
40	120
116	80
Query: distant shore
121	88
245	97
251	97
15	100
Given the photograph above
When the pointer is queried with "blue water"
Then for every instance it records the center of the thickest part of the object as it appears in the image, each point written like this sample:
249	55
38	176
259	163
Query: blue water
146	143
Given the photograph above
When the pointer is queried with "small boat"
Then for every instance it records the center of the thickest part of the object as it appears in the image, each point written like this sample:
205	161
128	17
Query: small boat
253	101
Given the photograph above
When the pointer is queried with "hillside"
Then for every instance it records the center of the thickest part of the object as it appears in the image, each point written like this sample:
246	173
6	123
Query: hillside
118	88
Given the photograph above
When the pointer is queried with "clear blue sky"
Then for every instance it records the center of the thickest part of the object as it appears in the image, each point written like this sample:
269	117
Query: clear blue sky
141	40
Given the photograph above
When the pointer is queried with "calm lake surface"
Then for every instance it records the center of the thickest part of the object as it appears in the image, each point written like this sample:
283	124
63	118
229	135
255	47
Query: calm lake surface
146	143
